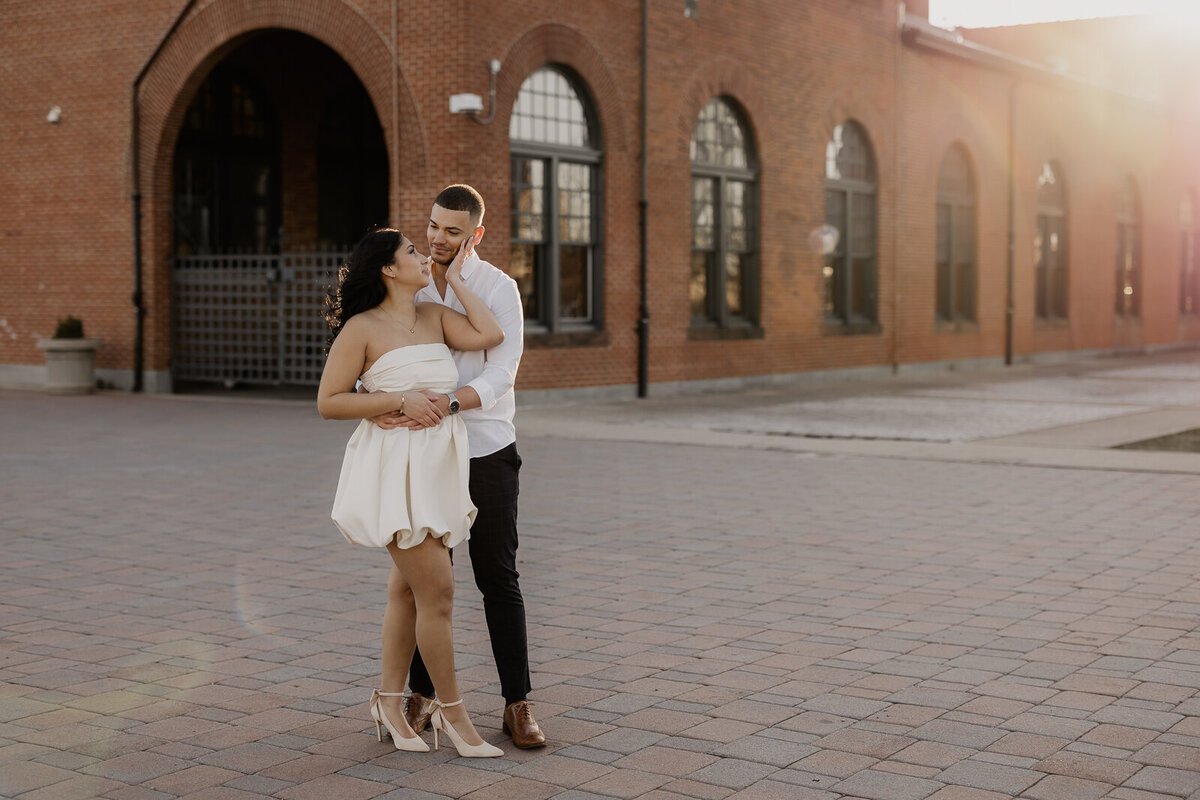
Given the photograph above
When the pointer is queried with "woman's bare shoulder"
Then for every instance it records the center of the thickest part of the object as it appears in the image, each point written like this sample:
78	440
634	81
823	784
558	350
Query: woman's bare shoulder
361	322
359	329
430	307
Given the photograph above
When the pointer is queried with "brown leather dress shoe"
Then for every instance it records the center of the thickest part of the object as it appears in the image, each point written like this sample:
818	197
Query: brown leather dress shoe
521	726
417	710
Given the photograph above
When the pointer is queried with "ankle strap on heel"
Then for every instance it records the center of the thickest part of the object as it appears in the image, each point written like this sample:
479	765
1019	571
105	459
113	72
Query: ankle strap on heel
440	704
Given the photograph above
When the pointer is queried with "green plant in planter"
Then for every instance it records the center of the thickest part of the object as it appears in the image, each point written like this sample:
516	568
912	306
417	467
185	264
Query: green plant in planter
69	327
70	358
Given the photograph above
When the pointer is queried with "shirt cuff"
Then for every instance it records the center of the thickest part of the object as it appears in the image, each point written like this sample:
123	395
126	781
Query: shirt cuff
487	396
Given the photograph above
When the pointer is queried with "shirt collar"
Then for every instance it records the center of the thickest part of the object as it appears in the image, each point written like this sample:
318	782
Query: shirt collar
472	263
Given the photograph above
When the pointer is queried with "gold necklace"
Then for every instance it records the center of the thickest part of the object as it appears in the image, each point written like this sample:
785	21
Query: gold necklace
416	316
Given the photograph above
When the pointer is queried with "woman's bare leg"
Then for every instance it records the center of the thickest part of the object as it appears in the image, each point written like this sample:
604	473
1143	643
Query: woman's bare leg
427	571
399	641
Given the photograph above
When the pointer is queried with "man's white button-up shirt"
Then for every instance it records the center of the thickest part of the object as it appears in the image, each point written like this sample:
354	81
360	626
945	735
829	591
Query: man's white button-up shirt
491	373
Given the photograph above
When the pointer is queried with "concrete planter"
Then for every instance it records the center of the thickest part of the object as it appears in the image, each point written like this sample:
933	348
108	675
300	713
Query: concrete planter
70	365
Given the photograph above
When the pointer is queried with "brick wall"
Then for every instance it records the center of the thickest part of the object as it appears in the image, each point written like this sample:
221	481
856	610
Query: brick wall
796	70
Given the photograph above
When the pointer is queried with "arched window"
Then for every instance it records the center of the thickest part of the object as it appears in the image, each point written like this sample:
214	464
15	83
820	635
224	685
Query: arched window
555	256
1189	281
850	190
1129	259
1050	244
956	237
724	275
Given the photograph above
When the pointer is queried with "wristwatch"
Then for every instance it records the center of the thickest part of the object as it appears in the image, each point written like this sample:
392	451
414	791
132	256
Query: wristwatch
454	404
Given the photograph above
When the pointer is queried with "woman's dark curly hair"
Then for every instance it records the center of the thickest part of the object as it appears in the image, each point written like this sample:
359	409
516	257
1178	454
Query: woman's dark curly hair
360	284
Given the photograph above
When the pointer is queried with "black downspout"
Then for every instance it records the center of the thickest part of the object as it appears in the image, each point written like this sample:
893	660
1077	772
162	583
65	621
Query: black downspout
1012	236
644	306
139	310
139	337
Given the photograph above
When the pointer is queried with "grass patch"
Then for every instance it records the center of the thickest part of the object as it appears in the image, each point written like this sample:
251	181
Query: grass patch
1183	442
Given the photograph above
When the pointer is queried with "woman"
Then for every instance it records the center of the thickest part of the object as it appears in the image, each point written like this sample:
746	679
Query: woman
400	489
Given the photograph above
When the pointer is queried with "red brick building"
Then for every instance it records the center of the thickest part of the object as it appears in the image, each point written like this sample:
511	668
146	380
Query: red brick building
828	185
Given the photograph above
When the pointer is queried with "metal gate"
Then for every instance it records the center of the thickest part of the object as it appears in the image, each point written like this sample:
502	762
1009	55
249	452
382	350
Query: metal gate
250	318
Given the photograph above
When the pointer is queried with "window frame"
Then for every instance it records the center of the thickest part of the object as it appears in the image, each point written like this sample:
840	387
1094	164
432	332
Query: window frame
548	284
848	189
1127	301
958	205
1189	263
717	316
1051	304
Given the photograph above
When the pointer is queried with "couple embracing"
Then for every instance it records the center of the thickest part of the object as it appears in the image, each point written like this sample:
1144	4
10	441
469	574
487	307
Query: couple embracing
435	341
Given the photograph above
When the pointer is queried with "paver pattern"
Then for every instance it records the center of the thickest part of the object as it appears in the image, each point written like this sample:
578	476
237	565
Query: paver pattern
179	618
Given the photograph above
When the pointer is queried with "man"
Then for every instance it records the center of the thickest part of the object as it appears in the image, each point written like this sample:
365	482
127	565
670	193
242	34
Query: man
486	400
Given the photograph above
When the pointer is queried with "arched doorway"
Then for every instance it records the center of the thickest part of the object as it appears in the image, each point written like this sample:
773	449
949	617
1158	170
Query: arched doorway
279	167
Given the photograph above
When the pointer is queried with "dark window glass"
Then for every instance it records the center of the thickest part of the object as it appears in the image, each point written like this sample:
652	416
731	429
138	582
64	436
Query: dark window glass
528	230
1189	282
955	259
352	169
739	229
227	187
1050	245
1129	262
704	242
850	191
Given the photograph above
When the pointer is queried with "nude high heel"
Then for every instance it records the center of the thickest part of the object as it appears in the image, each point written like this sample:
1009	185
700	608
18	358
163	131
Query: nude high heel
439	723
411	744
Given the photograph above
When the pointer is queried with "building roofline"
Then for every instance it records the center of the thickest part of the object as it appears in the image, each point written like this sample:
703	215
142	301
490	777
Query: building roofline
918	32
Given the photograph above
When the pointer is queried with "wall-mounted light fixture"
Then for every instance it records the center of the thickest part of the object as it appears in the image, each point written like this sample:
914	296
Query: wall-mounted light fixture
691	9
54	116
466	103
469	103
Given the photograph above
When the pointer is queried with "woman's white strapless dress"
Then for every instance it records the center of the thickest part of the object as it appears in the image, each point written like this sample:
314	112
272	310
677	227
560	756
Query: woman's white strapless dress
402	483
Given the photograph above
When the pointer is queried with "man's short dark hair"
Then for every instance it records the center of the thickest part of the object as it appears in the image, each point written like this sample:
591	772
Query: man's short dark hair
461	197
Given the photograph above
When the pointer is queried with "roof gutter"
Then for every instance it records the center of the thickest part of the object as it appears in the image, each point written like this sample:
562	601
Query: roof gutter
918	32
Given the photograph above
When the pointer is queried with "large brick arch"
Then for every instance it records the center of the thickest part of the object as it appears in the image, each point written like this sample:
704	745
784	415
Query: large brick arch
204	38
555	43
201	41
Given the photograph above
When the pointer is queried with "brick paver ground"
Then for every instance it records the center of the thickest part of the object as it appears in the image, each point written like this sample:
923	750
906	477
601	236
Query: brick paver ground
178	618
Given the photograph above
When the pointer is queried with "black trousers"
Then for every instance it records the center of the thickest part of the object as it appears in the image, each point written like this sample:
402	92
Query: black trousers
494	488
